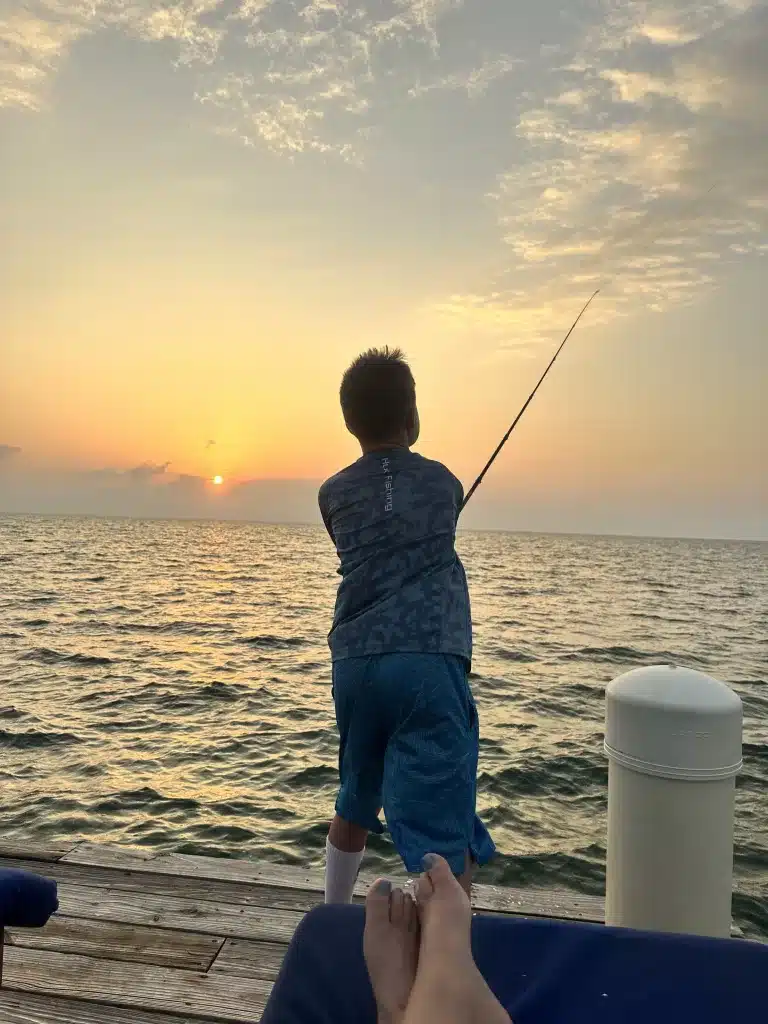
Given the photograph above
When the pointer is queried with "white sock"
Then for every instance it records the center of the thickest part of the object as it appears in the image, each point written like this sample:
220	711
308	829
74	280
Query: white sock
340	873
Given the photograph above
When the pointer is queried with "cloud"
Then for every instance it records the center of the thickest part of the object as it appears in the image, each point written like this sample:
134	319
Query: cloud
295	77
7	451
615	142
187	484
113	492
475	81
636	509
644	169
309	76
147	471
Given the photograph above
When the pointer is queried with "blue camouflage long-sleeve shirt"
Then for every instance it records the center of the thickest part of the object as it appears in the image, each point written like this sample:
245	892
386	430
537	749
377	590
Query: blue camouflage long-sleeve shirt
392	516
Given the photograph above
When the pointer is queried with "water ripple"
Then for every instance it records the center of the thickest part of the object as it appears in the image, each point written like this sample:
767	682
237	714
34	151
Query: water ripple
168	684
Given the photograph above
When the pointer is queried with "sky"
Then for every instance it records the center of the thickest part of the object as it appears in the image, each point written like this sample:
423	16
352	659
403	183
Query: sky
207	209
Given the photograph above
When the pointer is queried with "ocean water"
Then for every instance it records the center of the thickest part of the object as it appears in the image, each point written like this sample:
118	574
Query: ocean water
168	684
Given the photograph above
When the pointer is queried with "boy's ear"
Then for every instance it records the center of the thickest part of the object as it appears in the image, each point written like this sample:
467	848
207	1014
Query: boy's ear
414	426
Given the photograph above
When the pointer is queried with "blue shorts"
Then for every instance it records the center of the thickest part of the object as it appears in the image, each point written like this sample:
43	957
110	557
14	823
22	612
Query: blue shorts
409	741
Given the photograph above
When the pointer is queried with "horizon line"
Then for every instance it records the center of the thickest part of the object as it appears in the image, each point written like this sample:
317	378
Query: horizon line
319	526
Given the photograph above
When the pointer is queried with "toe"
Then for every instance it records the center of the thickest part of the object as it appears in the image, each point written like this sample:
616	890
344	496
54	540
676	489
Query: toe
411	915
397	907
377	902
437	876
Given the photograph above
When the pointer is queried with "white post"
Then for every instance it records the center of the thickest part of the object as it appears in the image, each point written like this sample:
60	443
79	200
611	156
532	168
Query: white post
673	739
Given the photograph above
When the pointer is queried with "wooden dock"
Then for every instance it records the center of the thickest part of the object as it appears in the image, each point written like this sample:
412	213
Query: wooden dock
147	938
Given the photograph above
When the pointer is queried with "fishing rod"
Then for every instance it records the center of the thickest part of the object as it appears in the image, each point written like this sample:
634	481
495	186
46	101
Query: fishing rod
528	401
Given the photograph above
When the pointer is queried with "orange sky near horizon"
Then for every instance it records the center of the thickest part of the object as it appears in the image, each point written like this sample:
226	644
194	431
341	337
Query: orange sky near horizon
204	224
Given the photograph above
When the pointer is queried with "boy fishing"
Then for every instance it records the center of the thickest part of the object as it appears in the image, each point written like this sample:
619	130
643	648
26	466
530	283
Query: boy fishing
401	641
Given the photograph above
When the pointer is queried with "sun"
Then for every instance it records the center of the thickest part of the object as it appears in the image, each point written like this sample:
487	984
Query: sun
218	480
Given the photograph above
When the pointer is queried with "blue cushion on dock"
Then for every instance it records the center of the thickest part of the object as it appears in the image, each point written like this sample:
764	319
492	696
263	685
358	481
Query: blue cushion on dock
543	972
26	901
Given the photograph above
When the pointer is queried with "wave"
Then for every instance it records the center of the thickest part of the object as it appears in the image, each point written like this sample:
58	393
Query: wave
315	775
554	776
506	654
181	626
34	623
619	654
275	643
35	739
755	752
581	871
47	656
229	693
145	798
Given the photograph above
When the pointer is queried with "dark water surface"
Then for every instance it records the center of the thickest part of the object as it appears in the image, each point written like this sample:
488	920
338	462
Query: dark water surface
167	684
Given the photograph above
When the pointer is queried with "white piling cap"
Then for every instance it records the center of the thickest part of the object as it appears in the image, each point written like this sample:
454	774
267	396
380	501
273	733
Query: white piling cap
675	723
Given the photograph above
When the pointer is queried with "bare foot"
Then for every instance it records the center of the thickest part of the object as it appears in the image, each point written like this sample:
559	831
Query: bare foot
448	989
391	947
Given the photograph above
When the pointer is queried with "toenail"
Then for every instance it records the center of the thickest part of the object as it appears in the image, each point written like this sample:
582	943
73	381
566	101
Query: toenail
383	887
429	861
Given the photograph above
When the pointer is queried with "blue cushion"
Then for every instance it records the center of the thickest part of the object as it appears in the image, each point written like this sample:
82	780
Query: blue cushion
26	901
543	972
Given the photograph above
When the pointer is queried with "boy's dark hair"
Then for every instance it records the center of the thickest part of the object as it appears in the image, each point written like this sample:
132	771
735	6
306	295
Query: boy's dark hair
378	394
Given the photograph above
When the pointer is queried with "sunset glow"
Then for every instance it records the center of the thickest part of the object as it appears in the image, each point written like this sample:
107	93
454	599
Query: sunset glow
240	206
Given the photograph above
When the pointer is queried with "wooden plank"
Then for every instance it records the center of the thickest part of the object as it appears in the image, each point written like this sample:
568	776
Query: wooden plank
28	1008
218	997
177	914
111	941
525	902
553	903
250	959
173	885
219	868
34	851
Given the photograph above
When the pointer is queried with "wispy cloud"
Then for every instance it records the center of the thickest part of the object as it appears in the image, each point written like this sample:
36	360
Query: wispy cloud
114	492
148	471
295	77
8	450
144	473
645	165
615	142
475	81
323	69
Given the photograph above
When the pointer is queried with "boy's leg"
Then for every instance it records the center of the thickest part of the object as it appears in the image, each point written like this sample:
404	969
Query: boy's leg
346	836
361	756
344	850
430	772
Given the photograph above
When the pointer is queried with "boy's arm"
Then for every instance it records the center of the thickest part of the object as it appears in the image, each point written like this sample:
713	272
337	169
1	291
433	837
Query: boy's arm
324	512
458	489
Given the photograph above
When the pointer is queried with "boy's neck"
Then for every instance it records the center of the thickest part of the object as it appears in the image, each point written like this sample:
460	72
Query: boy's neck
383	446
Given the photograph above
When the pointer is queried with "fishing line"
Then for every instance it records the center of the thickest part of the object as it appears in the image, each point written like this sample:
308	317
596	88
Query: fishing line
621	239
528	401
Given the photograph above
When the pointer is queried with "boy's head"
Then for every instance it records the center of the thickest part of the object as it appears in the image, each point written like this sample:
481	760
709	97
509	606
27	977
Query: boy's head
378	399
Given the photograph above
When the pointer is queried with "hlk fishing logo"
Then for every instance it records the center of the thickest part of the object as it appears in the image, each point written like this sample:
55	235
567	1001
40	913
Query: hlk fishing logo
387	485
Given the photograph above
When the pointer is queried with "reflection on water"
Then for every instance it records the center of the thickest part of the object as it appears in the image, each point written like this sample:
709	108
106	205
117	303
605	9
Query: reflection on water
167	683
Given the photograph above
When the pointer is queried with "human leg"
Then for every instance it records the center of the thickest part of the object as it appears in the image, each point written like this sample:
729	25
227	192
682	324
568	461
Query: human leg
391	948
361	754
430	765
448	988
